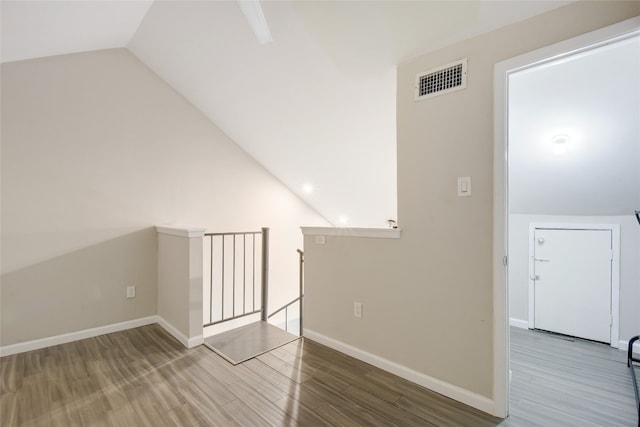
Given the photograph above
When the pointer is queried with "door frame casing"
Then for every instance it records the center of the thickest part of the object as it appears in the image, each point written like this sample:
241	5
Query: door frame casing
502	70
615	270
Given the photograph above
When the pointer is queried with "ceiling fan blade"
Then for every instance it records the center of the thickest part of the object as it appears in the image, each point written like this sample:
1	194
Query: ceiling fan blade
253	12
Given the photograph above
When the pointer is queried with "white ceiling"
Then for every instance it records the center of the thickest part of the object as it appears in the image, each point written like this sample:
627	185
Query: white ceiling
315	106
594	98
33	29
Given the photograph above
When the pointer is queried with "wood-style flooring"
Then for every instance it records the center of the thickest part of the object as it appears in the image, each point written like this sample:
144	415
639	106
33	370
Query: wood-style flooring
143	377
563	381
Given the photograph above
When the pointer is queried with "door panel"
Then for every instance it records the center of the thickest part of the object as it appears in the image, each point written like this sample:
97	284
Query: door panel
572	282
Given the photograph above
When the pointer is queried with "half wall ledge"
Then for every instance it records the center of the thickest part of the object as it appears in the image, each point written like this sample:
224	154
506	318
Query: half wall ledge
180	278
181	231
378	233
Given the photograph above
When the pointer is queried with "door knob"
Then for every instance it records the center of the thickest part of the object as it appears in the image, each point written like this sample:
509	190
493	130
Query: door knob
534	277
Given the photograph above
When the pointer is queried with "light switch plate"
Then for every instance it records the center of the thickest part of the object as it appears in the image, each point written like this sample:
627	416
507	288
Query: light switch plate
464	186
357	310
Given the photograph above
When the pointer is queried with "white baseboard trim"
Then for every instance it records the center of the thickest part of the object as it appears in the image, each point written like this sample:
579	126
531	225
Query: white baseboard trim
518	323
22	347
195	341
465	396
184	340
524	324
624	345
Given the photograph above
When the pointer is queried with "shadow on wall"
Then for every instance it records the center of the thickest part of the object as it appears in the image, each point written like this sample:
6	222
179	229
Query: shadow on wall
81	289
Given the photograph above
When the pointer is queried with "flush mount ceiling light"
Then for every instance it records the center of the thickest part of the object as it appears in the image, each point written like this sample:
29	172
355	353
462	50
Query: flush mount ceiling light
307	188
560	143
253	12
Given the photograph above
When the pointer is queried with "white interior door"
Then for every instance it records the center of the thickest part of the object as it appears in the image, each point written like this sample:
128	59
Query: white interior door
572	282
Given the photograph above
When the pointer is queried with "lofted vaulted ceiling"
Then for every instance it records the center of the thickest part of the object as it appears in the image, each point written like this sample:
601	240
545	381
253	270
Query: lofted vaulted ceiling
316	106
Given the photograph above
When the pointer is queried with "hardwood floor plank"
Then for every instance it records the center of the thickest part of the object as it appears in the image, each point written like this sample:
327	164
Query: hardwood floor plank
206	406
32	361
260	403
244	415
334	381
113	371
150	405
114	396
297	372
187	415
123	415
202	358
9	409
73	366
12	369
267	373
205	382
552	416
315	395
576	405
300	414
86	396
568	381
427	404
260	385
306	396
363	382
150	416
144	377
334	416
33	400
442	411
82	412
383	409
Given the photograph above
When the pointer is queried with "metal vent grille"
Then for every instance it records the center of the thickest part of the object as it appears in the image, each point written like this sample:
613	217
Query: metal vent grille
441	80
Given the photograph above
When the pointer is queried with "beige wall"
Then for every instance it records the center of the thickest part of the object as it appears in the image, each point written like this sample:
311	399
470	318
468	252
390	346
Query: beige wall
96	150
180	275
428	296
173	281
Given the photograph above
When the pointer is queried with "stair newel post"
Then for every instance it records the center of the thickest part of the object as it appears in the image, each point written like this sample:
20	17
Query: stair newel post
265	272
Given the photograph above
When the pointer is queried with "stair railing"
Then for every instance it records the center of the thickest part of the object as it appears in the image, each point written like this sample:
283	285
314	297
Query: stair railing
299	299
234	281
233	275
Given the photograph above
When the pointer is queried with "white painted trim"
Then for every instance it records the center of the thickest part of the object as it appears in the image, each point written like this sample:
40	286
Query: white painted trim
175	332
462	395
181	231
380	233
606	35
501	336
583	43
195	341
75	336
624	346
518	323
615	268
531	294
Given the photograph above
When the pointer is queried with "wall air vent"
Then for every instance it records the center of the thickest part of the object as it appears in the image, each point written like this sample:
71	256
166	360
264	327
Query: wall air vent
441	80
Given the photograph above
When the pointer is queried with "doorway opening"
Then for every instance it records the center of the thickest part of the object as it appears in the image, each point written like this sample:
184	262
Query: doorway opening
538	154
